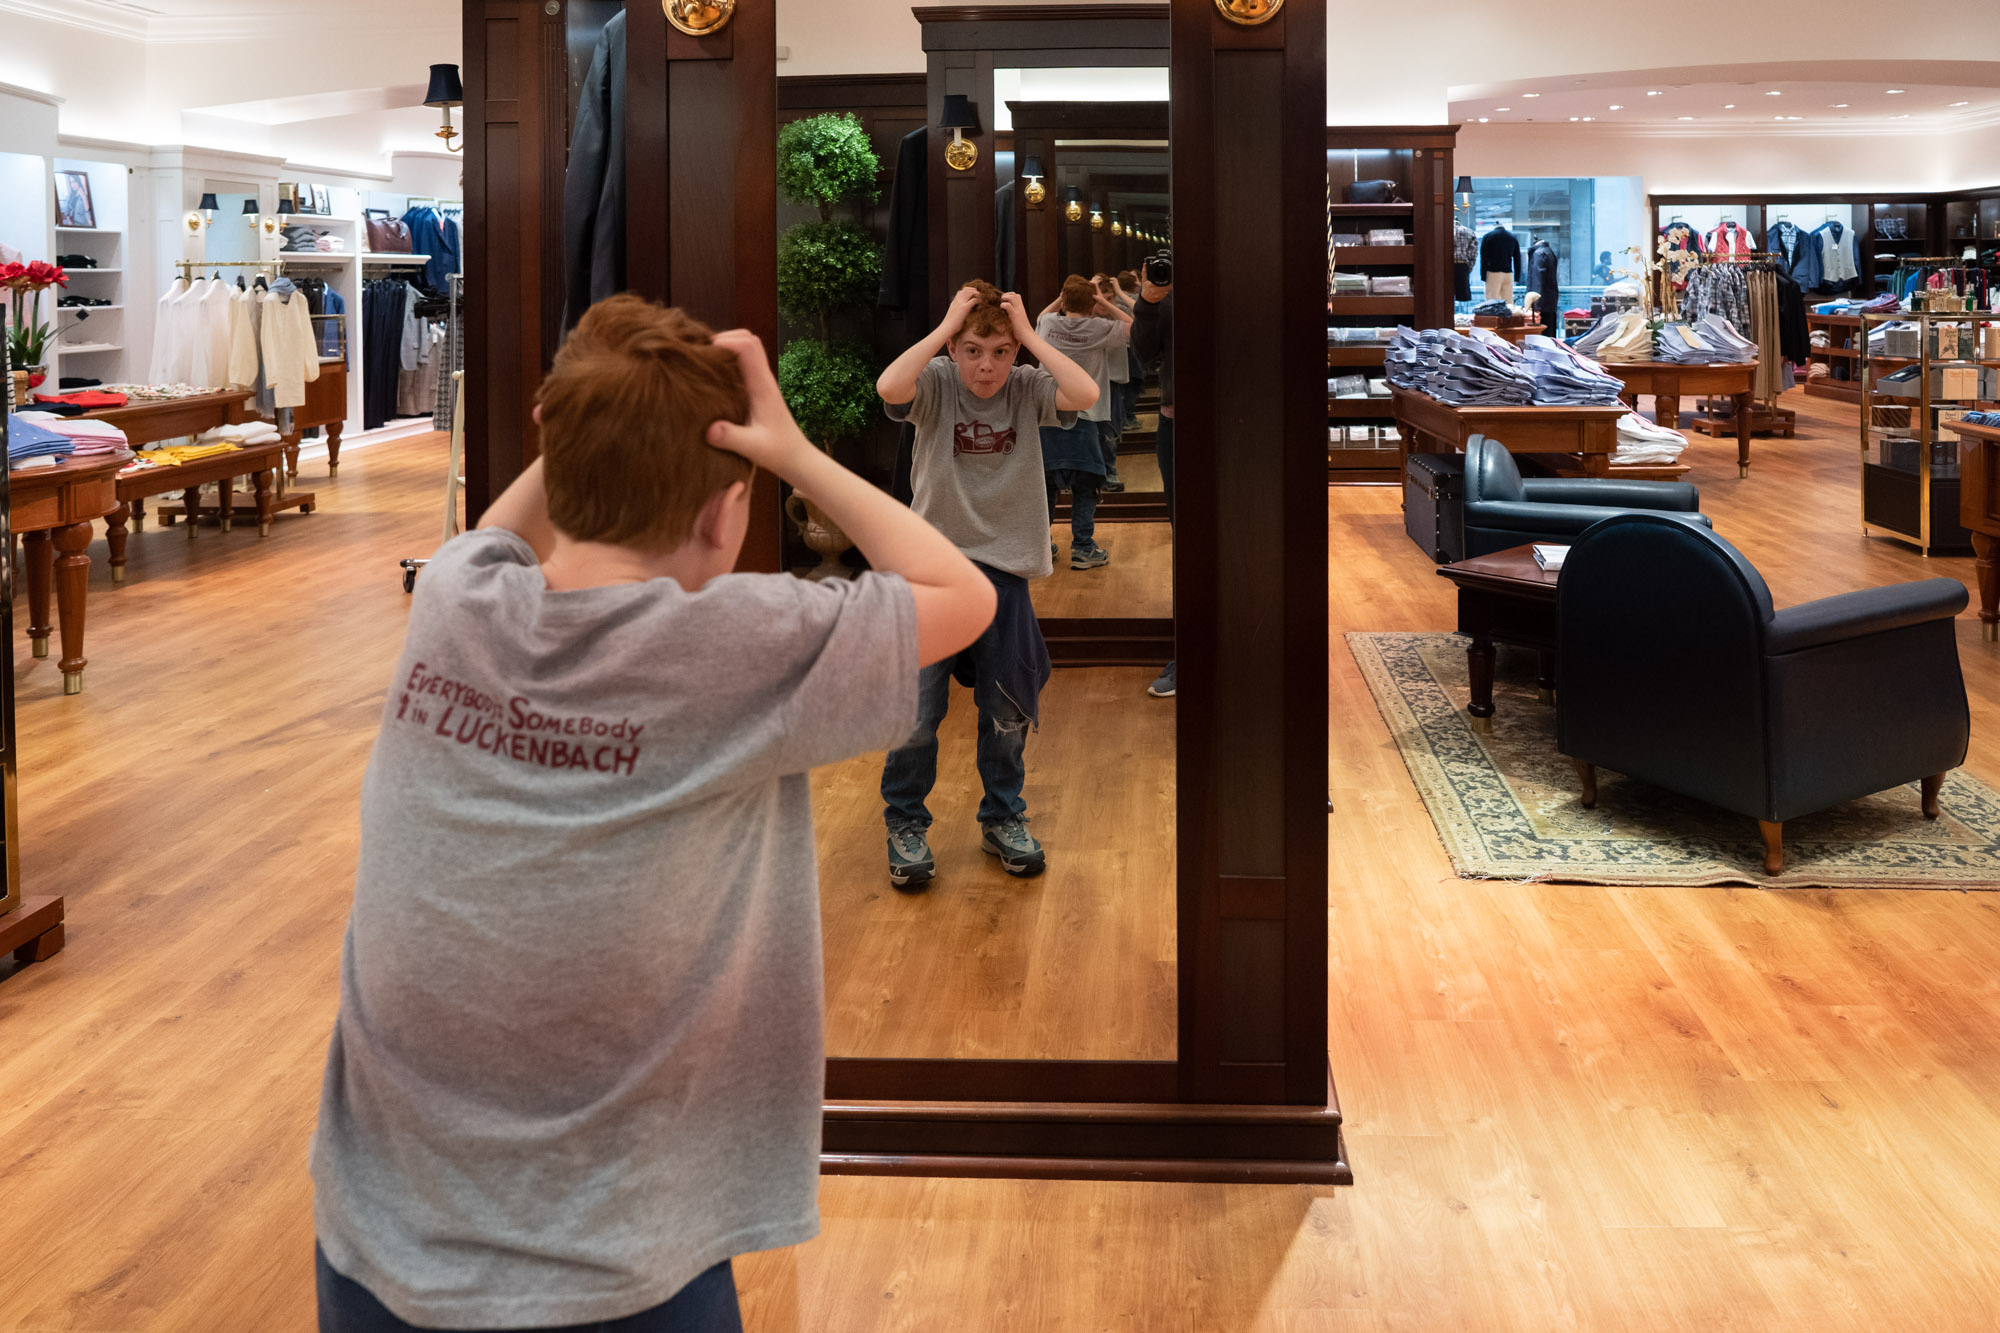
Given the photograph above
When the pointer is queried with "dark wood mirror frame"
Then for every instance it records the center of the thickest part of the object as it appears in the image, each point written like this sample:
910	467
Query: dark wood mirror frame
1248	1096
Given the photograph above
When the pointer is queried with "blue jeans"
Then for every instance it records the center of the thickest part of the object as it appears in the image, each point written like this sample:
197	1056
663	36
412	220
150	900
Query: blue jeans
705	1305
911	772
1107	440
1082	488
1163	449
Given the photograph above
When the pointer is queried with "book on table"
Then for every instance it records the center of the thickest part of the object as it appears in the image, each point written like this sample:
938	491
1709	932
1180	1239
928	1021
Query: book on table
1550	557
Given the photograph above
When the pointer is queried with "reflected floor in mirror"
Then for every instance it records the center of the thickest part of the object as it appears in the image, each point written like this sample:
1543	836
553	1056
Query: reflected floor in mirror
1078	963
1139	581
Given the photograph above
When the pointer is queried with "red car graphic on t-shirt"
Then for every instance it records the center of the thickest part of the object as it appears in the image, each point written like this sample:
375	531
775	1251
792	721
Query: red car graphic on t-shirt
971	437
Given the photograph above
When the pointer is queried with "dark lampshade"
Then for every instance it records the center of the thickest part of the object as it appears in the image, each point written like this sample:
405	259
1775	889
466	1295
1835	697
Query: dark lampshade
250	208
287	207
1075	195
207	204
1464	185
1033	167
446	90
958	113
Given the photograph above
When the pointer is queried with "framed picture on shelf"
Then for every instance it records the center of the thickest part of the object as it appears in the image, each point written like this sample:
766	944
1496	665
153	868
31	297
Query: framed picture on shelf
299	195
322	201
73	206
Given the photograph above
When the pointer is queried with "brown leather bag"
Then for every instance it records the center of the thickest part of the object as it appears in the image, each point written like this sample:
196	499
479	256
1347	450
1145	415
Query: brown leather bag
386	235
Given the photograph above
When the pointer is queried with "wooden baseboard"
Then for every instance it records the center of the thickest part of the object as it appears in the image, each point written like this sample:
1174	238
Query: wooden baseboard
1109	641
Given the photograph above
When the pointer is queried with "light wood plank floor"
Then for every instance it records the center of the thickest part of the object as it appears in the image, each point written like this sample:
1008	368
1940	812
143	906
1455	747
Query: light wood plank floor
1567	1107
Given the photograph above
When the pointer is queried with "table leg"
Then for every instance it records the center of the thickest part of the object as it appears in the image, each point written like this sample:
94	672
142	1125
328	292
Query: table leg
138	516
191	510
1545	676
72	586
1743	408
225	501
1989	586
114	536
1667	410
1630	398
40	558
266	501
333	447
1479	655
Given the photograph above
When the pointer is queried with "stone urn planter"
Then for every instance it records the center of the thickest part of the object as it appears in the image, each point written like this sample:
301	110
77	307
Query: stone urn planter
822	534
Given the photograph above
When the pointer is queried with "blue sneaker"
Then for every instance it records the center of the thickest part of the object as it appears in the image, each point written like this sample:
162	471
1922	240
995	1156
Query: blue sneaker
1092	556
1020	855
1163	687
911	868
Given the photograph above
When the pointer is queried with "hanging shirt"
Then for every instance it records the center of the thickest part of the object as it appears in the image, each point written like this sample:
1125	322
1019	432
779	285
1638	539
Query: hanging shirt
291	359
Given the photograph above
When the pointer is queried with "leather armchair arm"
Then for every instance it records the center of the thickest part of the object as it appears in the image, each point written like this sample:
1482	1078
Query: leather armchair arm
1607	493
1870	611
1530	516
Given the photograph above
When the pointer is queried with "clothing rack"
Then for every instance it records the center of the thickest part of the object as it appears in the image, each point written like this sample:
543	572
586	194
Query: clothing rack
190	268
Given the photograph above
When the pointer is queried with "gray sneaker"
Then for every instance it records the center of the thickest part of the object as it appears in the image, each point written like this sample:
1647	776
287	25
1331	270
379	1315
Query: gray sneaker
1020	855
910	865
1163	687
1092	556
1111	483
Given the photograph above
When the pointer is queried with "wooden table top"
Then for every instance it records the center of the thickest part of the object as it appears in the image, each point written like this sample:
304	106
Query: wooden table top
140	410
171	477
1991	433
69	470
1509	411
1511	571
1616	367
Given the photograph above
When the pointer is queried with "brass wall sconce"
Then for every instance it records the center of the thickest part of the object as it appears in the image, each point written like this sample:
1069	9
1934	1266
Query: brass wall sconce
1073	210
1096	218
446	92
959	154
1035	192
250	217
1117	227
699	18
1249	13
203	215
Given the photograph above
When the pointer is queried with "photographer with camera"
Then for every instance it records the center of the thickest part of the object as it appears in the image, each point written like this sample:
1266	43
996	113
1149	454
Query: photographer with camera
1153	338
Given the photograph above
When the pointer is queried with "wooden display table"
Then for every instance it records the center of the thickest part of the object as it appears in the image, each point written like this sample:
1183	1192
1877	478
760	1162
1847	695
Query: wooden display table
325	407
260	462
1979	511
171	418
1590	434
53	510
1668	383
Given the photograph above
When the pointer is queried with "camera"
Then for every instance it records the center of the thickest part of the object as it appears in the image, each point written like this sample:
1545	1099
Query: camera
1160	269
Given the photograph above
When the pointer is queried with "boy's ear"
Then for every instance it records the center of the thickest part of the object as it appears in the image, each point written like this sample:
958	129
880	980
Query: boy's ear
719	523
537	414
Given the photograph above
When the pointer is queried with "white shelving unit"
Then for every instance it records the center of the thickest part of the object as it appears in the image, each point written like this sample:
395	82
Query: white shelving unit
90	340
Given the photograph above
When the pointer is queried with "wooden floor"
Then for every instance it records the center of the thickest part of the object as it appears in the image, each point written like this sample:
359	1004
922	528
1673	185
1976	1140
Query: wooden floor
1567	1108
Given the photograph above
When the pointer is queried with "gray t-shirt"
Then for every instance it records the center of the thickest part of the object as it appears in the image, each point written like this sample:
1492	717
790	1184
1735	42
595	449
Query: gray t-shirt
977	469
579	1058
1089	342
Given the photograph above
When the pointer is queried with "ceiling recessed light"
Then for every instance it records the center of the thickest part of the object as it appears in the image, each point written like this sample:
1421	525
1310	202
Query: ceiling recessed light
1774	93
1683	117
1484	119
1531	94
1729	106
1590	117
1503	108
1839	105
1576	117
1892	91
1961	104
1655	92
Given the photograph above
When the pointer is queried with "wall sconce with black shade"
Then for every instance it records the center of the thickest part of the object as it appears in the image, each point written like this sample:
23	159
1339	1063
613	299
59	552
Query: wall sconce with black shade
1073	210
959	154
1096	218
1117	227
204	213
446	92
1464	188
250	218
1032	170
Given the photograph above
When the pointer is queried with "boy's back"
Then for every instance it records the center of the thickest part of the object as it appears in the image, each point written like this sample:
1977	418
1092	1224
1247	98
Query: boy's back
579	1053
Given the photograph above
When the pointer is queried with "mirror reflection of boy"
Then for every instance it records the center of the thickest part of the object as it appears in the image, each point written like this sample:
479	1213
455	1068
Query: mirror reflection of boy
977	478
1089	329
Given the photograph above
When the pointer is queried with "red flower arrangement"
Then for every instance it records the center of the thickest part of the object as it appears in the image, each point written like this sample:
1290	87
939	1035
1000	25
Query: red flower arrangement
27	337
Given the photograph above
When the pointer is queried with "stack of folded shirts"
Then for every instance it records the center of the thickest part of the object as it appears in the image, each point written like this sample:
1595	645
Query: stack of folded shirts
1360	335
1881	305
1642	442
32	444
1347	386
1346	238
329	244
90	437
1818	370
1498	309
1350	284
1981	418
1565	378
1710	342
246	433
1820	339
1623	336
1378	388
1390	285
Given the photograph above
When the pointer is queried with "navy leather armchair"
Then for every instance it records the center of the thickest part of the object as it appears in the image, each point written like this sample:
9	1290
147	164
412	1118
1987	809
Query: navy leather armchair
1502	510
1675	669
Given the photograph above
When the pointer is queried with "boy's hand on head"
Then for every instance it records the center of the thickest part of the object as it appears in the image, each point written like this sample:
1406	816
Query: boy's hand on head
770	438
954	315
1018	315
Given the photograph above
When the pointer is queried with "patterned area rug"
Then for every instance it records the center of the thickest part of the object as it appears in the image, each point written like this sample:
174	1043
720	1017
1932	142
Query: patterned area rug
1505	803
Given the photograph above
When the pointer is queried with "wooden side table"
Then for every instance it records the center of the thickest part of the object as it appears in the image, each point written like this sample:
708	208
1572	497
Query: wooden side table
53	511
260	462
1504	598
1669	383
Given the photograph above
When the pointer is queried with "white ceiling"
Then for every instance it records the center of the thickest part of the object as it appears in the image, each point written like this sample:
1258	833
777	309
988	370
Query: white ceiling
1928	96
224	20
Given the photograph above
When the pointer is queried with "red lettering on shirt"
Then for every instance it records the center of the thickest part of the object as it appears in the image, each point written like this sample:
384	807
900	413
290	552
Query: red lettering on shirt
520	731
972	437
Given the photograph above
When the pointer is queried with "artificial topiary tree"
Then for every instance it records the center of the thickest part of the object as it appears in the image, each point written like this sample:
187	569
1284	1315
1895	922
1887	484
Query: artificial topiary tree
825	269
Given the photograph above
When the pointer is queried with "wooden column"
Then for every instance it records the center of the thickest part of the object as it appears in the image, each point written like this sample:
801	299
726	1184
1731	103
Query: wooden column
1249	181
516	144
701	171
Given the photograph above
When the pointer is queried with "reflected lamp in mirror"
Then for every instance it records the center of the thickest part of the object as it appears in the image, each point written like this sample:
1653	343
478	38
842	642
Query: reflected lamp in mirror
959	154
446	92
1073	209
1249	13
250	217
1117	227
1096	218
699	18
1032	172
203	214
